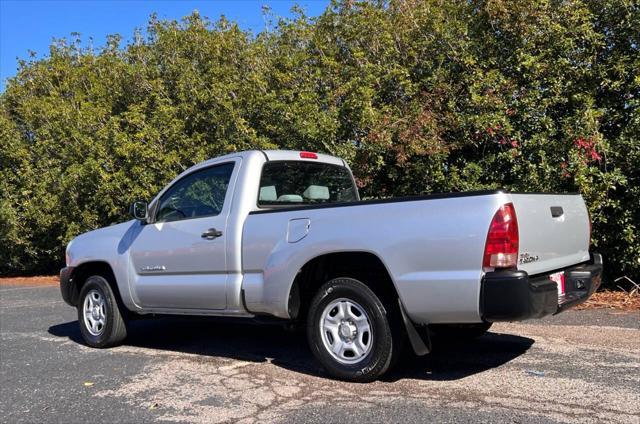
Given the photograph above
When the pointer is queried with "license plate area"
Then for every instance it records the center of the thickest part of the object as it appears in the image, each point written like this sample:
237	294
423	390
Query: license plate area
558	277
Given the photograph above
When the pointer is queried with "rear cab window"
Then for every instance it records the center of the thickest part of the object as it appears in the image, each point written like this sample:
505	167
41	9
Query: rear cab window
291	183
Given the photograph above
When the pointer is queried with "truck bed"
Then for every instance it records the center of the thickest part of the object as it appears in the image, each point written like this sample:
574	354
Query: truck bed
442	235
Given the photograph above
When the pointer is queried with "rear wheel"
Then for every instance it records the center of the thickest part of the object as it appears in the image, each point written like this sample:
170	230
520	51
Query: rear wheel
351	331
101	321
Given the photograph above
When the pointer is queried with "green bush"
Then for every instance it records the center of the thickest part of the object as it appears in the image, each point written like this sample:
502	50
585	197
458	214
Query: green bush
419	96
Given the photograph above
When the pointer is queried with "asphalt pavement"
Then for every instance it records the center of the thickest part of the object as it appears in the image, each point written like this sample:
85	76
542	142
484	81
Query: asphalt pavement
579	366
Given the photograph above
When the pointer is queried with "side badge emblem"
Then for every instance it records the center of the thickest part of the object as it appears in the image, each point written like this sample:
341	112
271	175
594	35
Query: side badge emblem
153	268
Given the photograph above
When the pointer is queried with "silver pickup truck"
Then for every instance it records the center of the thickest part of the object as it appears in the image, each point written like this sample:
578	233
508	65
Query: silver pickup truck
285	234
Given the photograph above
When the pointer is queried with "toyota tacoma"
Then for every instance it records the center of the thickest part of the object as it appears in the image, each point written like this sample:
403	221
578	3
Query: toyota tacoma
285	234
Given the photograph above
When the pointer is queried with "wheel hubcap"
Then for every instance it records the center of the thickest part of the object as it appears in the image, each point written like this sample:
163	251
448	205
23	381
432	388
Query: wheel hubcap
95	312
346	331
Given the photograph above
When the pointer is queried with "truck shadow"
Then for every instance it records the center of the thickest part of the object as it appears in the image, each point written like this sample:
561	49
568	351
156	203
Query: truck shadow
256	342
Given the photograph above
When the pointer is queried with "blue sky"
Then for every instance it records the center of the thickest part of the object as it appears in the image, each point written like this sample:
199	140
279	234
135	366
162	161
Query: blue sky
32	24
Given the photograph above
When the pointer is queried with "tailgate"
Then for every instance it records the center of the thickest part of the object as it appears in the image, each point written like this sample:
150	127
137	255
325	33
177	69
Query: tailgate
554	231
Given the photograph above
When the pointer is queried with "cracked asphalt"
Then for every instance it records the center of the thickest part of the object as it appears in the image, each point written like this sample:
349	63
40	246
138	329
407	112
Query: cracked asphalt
580	366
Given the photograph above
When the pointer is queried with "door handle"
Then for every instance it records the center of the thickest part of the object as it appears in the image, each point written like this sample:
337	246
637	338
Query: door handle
556	211
211	234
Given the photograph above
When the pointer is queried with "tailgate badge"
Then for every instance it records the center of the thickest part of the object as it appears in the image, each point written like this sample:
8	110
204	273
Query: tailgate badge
526	258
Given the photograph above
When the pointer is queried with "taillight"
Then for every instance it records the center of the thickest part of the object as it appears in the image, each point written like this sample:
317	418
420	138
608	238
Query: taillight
501	250
308	155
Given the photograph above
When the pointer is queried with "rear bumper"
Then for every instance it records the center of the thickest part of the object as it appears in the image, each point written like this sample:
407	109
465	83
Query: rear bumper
67	286
515	296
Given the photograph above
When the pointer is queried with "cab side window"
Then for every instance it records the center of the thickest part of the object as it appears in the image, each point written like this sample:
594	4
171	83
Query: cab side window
198	194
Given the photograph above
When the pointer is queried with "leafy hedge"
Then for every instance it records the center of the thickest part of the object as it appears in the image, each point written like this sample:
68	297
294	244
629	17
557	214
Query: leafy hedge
419	96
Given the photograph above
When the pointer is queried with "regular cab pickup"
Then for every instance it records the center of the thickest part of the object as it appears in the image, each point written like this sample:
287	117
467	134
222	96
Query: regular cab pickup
284	234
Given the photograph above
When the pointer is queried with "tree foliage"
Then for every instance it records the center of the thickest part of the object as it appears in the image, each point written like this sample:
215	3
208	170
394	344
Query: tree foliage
419	96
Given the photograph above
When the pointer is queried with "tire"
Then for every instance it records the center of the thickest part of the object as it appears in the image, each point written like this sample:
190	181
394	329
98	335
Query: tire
460	332
101	321
354	335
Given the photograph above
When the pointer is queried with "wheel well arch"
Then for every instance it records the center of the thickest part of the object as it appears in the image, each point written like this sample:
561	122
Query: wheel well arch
87	269
361	265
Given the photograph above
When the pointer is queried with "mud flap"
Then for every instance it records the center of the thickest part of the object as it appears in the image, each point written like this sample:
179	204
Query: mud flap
417	342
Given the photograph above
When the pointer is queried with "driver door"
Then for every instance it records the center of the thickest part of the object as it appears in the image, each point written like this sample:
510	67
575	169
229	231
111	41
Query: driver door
179	259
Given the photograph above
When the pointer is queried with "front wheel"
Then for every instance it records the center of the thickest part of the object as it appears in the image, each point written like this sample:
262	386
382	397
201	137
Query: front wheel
101	322
351	332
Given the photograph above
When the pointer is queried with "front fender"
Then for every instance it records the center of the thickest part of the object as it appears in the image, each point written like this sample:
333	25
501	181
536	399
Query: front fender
109	245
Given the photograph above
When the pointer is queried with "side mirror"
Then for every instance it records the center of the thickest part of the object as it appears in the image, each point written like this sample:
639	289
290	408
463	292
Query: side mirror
138	210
